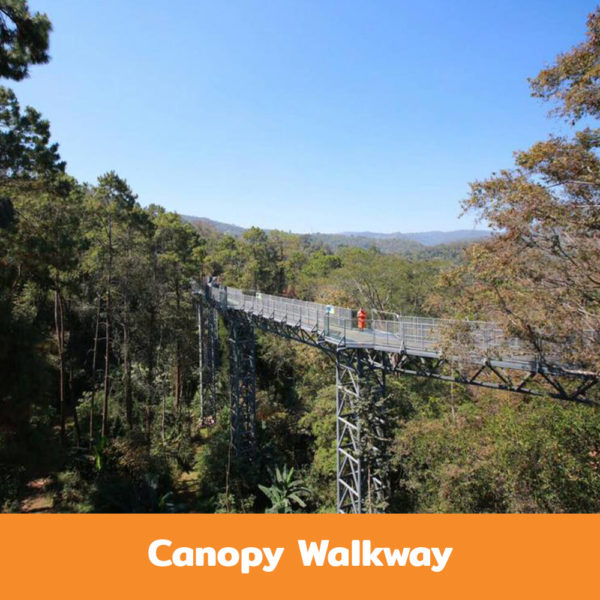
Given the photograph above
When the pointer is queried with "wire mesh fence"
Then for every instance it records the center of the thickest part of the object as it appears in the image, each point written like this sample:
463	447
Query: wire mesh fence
474	340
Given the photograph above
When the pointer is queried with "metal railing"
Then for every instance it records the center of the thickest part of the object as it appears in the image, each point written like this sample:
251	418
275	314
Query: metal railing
473	341
415	335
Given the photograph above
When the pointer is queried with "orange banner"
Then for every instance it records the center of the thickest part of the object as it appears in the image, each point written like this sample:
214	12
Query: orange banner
264	556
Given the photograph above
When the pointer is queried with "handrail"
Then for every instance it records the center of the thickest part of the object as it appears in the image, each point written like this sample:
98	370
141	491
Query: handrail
403	334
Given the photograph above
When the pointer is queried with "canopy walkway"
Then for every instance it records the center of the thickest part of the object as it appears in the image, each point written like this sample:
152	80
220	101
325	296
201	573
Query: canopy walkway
467	352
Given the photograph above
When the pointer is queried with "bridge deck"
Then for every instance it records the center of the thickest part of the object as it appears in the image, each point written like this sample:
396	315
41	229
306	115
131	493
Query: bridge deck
416	336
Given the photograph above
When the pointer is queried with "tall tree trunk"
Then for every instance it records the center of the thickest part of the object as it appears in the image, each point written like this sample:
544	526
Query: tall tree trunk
164	414
59	324
127	370
152	344
106	368
150	376
94	358
177	353
177	401
200	362
107	330
74	409
64	312
127	391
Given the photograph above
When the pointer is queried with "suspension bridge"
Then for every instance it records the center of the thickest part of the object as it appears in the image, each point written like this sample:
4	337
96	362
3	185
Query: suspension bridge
467	352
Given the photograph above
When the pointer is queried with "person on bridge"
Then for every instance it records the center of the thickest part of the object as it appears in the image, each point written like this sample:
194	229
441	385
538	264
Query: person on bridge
362	318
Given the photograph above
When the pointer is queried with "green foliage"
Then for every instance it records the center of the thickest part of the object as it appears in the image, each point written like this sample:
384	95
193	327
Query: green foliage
24	39
25	148
99	450
397	245
73	492
285	491
505	456
132	478
383	282
319	419
213	462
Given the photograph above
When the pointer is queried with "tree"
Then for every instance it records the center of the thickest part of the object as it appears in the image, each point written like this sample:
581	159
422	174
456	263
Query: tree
130	235
364	280
572	82
539	275
24	39
111	204
41	251
262	270
32	177
25	148
179	253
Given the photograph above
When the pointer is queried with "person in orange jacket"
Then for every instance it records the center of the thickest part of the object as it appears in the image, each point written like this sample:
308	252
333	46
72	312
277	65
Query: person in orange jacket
362	318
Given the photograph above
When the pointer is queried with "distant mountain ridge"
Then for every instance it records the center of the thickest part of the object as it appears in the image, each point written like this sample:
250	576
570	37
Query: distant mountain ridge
386	242
234	230
434	238
427	238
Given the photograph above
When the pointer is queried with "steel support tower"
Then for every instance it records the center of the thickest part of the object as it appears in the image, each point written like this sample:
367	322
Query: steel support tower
361	442
212	356
242	353
208	352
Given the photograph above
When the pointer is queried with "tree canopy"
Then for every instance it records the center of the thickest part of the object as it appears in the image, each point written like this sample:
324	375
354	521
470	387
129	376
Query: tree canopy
24	39
572	81
539	275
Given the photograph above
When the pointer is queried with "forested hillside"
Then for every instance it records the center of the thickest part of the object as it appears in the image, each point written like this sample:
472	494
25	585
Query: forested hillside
99	381
427	244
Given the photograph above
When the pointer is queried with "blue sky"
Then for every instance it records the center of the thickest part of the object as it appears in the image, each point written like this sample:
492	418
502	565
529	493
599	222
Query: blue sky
307	116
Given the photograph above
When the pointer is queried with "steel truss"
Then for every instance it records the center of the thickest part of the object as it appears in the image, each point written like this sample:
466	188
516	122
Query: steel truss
553	383
295	333
540	380
212	356
242	348
361	440
208	325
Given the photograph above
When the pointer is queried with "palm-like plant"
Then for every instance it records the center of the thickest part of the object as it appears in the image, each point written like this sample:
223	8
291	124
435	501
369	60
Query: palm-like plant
285	491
